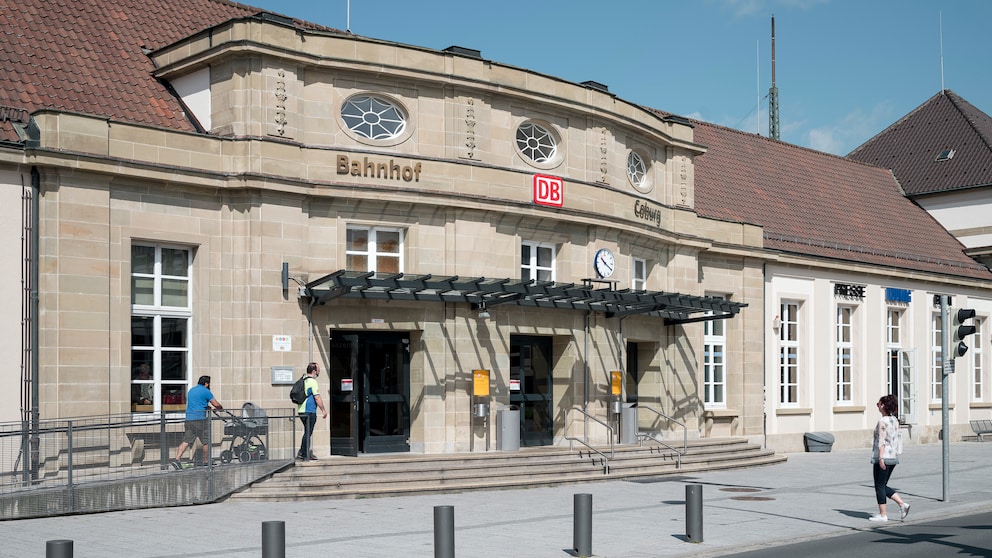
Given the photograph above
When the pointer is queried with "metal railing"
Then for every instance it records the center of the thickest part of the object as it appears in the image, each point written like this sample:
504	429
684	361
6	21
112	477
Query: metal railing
116	462
656	435
585	442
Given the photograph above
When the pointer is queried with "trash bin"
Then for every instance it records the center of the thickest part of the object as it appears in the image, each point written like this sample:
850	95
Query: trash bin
818	441
508	428
628	423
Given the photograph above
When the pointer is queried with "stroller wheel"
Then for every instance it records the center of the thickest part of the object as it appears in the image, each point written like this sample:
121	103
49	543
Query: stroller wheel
244	456
226	456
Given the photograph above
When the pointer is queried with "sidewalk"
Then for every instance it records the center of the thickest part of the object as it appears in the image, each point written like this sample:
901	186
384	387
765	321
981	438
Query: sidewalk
813	495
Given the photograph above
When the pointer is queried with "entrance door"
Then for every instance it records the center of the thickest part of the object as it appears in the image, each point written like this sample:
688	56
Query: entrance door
530	388
370	393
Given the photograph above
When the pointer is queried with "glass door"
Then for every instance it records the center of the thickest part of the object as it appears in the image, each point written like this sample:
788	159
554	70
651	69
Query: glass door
531	388
370	393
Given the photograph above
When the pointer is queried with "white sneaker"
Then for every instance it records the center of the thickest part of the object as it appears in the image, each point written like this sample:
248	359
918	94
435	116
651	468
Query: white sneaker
903	511
878	518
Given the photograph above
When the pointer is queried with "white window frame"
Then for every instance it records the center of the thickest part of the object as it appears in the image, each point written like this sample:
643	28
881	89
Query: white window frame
715	363
158	312
372	251
790	320
638	274
844	354
531	265
978	365
936	357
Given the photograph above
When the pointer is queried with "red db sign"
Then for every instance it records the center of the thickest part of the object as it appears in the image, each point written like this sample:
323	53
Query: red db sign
549	190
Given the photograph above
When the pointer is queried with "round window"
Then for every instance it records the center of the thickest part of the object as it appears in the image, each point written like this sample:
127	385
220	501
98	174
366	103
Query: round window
537	143
637	171
373	117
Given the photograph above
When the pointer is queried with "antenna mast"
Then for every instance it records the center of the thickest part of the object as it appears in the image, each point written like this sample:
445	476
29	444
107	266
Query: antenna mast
773	94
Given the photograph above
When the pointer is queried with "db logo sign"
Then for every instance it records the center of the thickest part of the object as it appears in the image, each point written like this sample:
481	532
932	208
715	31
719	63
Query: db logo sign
549	190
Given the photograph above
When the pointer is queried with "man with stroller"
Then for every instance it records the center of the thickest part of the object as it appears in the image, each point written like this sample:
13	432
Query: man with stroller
308	412
199	400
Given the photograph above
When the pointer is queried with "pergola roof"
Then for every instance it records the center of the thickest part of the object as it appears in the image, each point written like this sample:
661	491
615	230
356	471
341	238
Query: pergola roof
675	308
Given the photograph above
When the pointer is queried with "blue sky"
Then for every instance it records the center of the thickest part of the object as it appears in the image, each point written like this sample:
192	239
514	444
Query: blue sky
845	69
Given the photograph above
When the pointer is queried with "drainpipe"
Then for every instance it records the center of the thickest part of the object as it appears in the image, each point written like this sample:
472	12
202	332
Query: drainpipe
33	313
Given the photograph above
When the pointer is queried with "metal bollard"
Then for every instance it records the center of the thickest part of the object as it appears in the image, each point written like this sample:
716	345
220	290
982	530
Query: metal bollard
582	524
444	532
273	539
694	513
60	548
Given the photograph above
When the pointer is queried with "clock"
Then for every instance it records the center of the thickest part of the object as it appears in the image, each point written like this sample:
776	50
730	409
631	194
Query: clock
604	263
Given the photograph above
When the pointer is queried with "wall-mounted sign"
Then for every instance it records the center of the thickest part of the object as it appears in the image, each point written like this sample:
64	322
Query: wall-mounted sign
549	190
378	169
283	375
347	384
514	385
281	343
898	295
644	211
480	383
849	291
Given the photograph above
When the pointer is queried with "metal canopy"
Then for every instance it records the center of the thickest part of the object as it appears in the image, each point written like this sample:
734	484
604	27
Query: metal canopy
675	308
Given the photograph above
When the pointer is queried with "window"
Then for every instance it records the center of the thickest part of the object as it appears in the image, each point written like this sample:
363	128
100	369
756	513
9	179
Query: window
638	274
978	376
945	155
714	364
843	361
537	261
936	358
373	117
161	316
537	143
637	171
789	353
374	249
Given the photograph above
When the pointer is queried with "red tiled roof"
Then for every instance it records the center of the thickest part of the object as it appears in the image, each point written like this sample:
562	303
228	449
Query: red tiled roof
86	55
910	146
820	205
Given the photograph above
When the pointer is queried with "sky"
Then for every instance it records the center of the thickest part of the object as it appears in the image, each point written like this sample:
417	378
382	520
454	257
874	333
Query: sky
845	69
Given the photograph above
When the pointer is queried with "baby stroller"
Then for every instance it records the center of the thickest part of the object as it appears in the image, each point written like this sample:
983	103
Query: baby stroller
245	434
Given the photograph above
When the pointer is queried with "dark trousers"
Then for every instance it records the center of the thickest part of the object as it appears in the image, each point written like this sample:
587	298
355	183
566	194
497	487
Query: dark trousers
309	420
881	476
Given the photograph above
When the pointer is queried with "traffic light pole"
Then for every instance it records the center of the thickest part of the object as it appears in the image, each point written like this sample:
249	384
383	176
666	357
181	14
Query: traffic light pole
946	362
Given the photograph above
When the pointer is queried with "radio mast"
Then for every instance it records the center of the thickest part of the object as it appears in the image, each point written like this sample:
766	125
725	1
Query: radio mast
773	95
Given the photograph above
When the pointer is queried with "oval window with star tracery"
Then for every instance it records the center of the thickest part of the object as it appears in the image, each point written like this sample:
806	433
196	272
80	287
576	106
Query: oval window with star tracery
537	143
374	117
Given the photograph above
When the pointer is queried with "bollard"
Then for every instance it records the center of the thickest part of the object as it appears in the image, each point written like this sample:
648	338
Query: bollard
444	532
582	524
273	539
61	548
694	513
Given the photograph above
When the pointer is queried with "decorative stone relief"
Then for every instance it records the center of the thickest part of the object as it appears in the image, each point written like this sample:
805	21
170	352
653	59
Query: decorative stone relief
281	96
683	181
603	167
470	128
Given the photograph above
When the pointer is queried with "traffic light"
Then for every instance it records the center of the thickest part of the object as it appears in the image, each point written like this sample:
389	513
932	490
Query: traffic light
960	330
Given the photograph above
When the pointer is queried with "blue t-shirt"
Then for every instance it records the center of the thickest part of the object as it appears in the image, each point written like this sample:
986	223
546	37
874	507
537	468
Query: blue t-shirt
312	388
197	402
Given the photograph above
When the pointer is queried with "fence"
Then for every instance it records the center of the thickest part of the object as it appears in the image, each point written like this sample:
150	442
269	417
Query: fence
116	462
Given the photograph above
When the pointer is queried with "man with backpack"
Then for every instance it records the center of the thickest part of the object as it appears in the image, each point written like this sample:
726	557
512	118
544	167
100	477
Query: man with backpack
308	411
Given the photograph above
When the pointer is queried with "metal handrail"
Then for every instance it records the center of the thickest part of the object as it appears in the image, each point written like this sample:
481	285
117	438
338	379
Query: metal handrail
653	435
606	460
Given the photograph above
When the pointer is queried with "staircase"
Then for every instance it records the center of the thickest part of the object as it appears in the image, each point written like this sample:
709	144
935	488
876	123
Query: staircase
375	475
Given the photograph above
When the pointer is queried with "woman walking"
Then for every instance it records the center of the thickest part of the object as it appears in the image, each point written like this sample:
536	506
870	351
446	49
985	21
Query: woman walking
884	458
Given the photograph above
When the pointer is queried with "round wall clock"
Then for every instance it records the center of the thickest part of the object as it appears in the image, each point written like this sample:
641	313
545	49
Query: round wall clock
604	263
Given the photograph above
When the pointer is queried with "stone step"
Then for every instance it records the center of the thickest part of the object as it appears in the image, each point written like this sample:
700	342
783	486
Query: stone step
399	474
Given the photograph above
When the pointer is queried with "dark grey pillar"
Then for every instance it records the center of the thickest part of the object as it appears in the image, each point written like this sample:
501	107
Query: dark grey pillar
60	548
694	513
273	539
582	524
444	532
